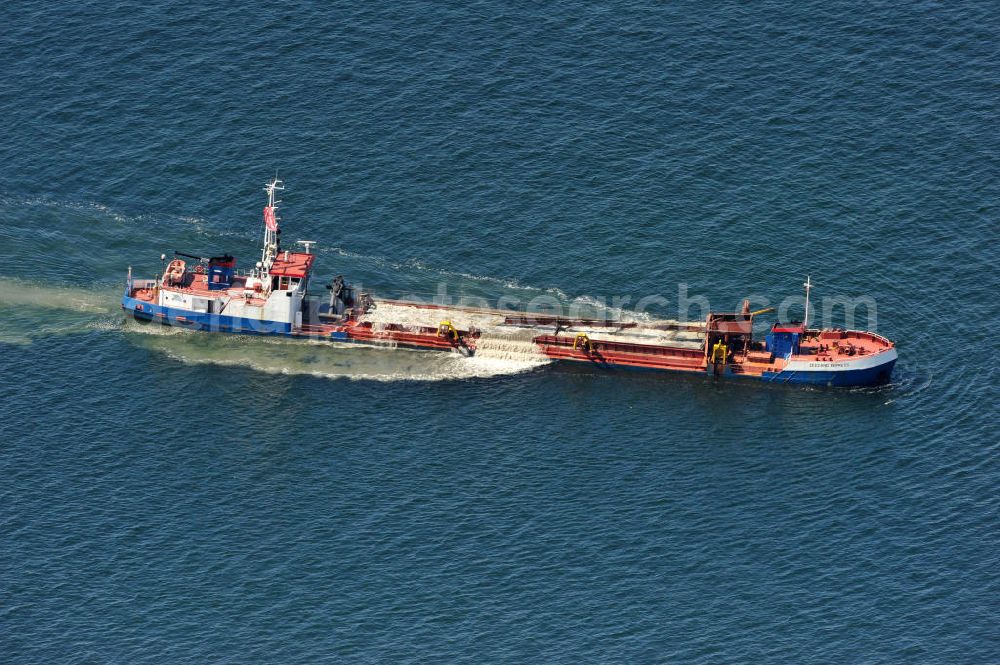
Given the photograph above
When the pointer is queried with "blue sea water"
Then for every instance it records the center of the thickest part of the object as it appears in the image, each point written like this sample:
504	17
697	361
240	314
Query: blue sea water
180	498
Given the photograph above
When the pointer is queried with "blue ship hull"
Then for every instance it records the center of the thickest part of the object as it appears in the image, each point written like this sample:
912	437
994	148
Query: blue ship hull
182	318
872	376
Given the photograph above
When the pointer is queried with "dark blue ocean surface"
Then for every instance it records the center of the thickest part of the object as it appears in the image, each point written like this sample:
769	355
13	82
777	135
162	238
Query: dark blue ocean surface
181	498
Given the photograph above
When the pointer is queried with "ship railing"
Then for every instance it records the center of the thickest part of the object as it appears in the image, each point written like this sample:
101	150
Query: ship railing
875	337
837	333
623	347
139	284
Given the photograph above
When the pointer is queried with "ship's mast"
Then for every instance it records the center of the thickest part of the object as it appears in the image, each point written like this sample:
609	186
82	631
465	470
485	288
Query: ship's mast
808	284
270	249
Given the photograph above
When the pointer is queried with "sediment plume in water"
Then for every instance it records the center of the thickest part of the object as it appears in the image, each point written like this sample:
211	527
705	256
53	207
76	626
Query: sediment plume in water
30	311
325	359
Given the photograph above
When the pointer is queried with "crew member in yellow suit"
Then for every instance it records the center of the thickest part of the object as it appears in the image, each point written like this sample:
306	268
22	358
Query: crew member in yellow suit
719	352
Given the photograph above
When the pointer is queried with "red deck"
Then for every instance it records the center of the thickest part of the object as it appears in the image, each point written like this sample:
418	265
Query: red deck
197	284
292	264
833	345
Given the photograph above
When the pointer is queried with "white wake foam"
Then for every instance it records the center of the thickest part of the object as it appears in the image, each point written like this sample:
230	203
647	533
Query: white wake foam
330	360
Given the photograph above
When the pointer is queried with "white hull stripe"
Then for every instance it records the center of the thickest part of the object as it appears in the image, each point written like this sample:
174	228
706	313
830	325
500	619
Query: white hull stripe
864	362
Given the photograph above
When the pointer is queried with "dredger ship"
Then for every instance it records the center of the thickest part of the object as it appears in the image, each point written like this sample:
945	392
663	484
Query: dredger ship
271	298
